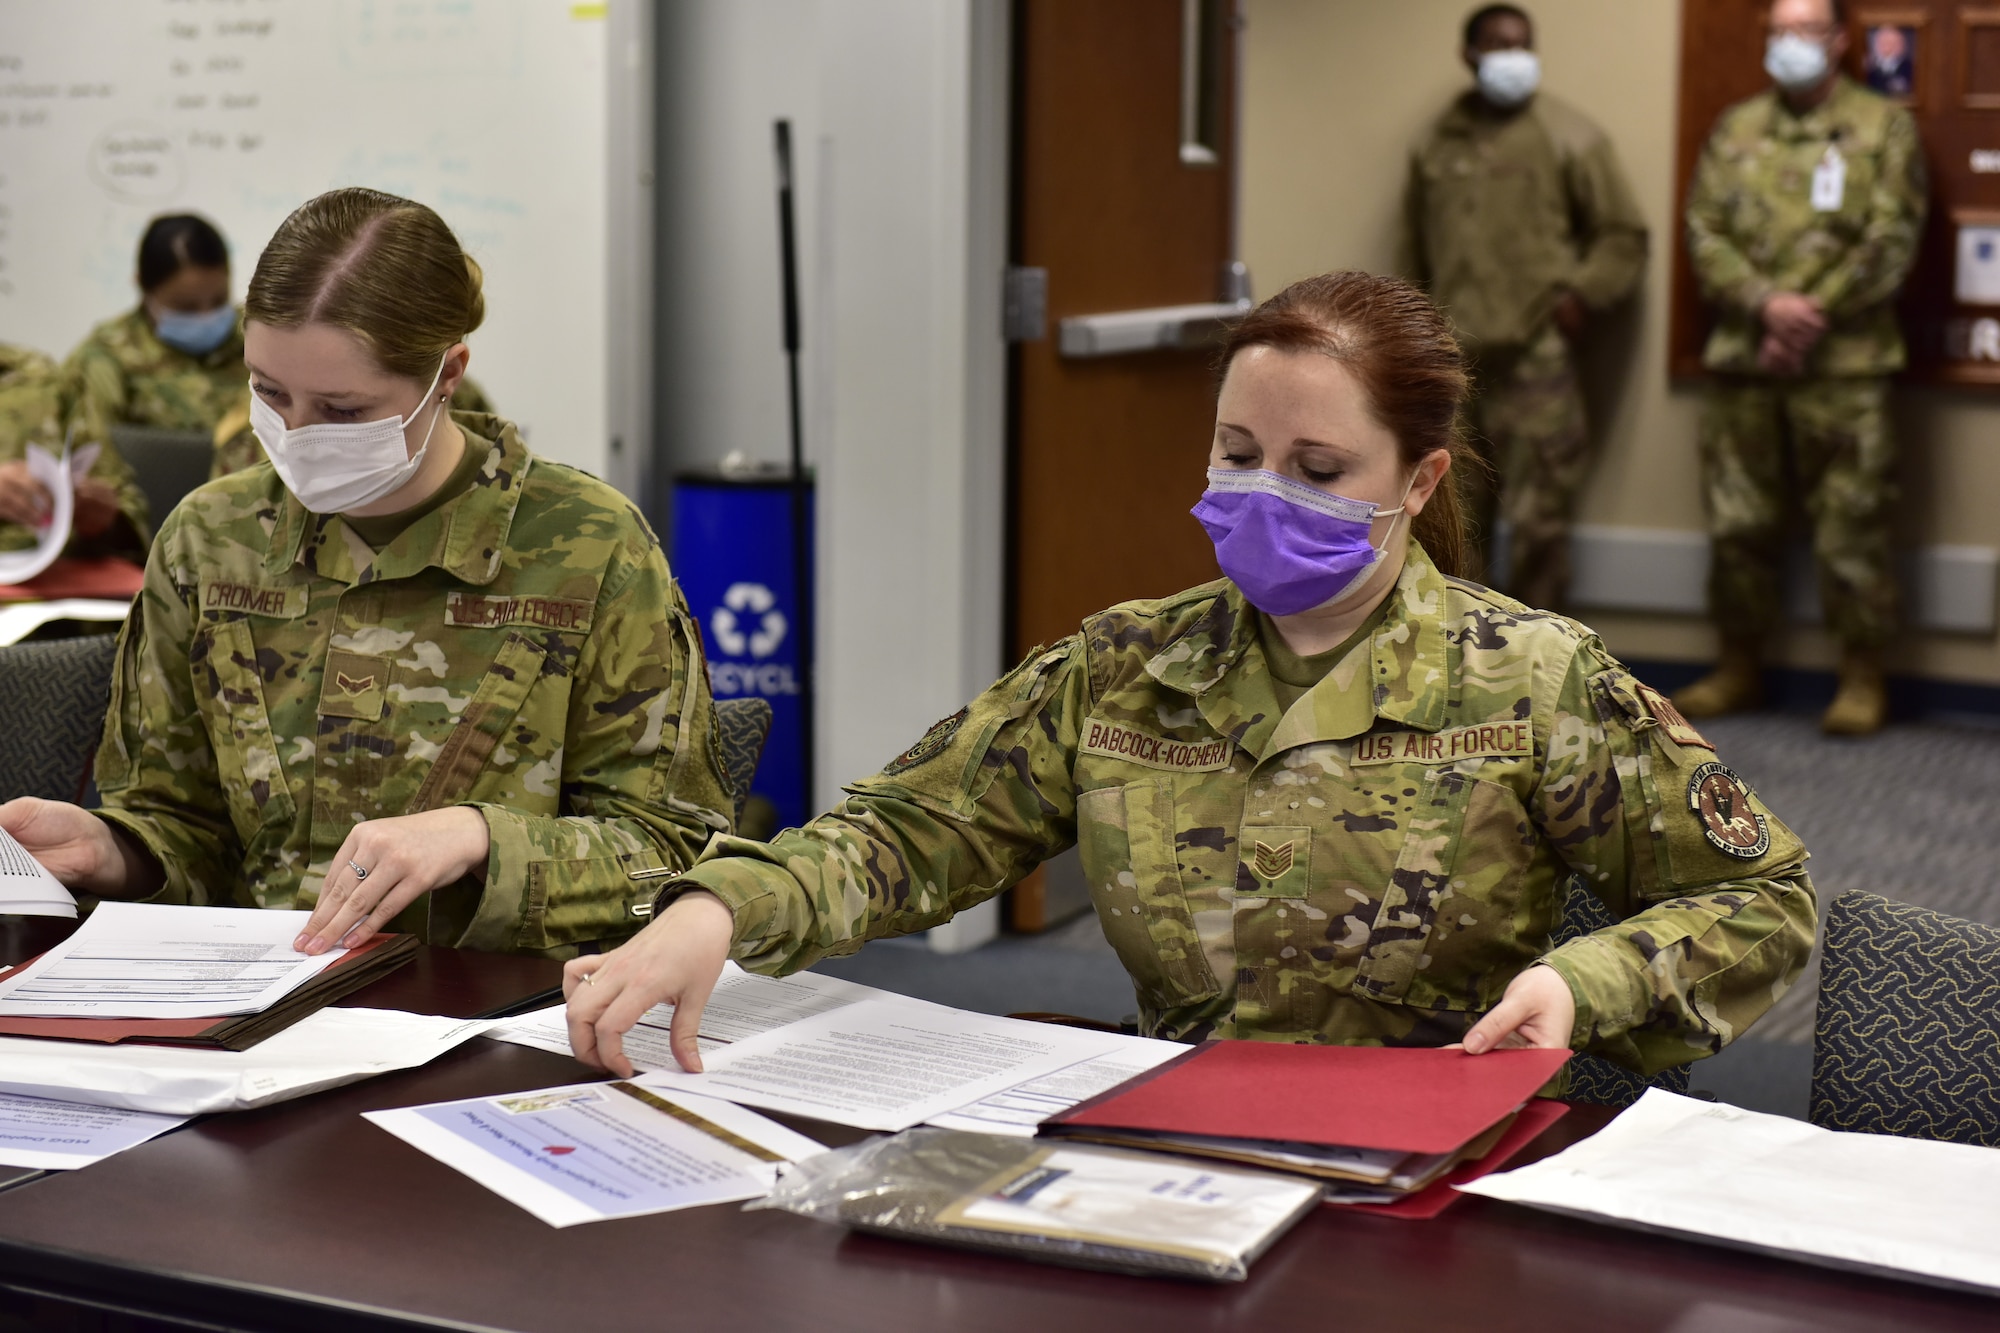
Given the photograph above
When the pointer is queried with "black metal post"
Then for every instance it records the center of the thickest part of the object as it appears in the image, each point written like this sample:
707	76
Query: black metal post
802	565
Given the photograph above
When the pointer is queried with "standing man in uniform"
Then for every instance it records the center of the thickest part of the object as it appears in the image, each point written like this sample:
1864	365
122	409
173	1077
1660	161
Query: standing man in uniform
1521	226
1802	224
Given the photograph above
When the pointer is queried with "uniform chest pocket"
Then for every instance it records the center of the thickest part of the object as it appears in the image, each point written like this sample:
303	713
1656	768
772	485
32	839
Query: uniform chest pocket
1125	838
1397	941
492	709
354	686
239	724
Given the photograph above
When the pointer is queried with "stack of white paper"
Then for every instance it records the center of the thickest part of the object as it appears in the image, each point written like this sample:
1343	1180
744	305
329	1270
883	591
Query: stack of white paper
887	1063
1903	1207
322	1050
26	887
746	1006
153	960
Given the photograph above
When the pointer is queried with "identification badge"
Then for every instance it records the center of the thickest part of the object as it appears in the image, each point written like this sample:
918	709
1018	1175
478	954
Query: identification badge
1829	182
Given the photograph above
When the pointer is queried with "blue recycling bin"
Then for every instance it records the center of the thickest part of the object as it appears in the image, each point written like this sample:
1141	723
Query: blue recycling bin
732	552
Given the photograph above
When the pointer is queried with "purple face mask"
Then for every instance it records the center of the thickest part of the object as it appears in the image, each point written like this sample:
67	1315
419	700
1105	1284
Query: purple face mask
1288	546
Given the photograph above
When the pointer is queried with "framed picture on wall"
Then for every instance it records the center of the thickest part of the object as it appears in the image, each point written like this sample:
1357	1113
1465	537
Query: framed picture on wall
1896	55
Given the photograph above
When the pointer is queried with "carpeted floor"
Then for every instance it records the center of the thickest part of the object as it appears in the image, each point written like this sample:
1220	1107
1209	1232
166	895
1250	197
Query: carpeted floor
1912	814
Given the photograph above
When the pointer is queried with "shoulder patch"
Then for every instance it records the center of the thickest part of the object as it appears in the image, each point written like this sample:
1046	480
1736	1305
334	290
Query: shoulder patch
929	743
1720	803
1672	725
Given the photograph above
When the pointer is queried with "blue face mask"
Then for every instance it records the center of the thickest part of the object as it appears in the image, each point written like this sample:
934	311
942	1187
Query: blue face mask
197	335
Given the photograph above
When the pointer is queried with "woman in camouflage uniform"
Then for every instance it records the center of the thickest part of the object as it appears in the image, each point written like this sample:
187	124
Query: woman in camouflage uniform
406	671
174	362
1334	797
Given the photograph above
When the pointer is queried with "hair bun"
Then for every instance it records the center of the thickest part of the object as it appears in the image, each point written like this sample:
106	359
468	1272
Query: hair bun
475	304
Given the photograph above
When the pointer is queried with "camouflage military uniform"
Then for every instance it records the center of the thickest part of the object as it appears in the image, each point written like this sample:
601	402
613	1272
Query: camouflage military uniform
1373	865
1505	213
127	376
35	400
1823	436
522	650
236	445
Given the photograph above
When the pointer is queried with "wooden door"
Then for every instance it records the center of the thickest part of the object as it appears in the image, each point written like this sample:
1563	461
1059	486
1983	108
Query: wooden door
1110	200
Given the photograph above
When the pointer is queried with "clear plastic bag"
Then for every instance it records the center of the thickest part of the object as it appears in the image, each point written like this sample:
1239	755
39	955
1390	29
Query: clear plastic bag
1086	1207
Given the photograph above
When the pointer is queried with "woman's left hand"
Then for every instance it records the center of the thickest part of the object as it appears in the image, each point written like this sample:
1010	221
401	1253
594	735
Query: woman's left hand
387	864
1537	1011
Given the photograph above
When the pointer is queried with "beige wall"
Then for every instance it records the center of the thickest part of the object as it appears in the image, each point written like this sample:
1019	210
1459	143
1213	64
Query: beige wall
1337	90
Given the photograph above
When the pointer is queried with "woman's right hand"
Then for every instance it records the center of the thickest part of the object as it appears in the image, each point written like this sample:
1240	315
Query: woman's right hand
675	960
22	498
76	846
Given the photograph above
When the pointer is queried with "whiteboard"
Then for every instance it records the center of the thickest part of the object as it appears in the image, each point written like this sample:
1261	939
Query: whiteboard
490	111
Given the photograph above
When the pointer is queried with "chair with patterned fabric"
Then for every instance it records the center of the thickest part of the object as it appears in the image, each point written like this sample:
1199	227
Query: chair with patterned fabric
1907	1039
743	724
1592	1078
52	699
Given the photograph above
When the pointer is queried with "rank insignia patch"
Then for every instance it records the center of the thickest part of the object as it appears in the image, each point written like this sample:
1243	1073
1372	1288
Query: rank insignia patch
1273	862
1672	725
352	685
929	743
1720	802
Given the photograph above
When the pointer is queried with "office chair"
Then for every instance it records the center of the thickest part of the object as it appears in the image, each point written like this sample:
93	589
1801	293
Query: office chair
166	463
52	700
1907	1038
1592	1078
743	724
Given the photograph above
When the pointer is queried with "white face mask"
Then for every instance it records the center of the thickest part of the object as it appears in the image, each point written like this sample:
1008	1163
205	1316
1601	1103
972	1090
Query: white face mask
1794	63
1509	78
337	466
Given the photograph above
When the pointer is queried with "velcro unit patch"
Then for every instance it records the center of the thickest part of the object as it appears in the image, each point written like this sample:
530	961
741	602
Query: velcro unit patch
1672	725
285	603
1137	747
474	610
1511	739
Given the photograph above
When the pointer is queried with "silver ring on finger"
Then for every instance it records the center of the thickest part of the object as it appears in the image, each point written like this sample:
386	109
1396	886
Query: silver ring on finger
360	871
590	978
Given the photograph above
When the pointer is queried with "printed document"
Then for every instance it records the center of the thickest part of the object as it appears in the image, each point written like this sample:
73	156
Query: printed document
321	1050
152	960
885	1064
593	1151
57	476
1902	1207
56	1136
1017	1110
26	887
742	1005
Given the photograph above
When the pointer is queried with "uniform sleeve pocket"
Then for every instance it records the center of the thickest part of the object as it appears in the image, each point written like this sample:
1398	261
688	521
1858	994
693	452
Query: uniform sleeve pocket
1125	840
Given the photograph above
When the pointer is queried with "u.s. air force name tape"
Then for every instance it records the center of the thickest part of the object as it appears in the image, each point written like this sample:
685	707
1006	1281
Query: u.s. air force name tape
1137	747
1484	740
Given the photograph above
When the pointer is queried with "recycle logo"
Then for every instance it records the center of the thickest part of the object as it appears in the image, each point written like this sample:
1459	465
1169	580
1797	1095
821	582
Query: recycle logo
755	599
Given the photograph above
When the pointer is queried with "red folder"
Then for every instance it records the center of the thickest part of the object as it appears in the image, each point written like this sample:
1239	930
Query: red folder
1439	1195
1397	1099
110	577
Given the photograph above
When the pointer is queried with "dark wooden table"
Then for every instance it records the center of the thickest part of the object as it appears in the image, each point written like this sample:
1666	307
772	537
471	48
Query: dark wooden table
305	1216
